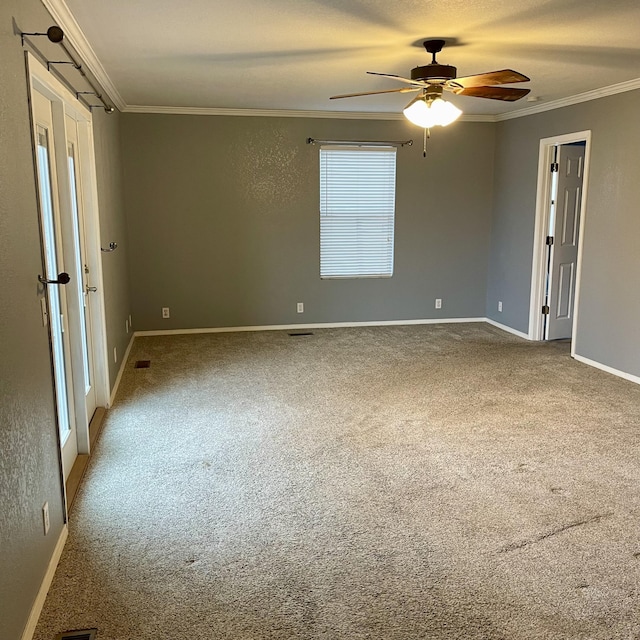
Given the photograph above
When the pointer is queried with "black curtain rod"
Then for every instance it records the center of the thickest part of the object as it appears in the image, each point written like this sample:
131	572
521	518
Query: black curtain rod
363	143
56	35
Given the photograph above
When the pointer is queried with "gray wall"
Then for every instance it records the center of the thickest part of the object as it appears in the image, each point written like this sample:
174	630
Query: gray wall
115	266
29	460
224	226
608	328
29	467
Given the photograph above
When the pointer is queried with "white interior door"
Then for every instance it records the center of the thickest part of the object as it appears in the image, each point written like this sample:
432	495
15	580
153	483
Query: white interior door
77	243
57	313
565	226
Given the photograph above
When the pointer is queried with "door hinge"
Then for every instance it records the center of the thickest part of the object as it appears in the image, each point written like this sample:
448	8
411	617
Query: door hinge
545	310
549	240
45	312
554	167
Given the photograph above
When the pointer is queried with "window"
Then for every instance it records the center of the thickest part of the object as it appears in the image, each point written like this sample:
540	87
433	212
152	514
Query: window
357	210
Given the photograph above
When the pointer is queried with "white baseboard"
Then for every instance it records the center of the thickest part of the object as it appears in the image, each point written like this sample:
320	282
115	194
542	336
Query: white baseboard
316	325
591	363
504	327
604	367
123	364
36	609
334	325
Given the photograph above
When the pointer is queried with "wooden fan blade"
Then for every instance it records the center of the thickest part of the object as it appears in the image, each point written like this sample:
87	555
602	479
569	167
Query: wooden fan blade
506	76
415	83
373	93
494	93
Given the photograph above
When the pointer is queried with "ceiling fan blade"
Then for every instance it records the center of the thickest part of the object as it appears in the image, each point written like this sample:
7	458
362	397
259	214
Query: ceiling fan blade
493	93
415	83
506	76
373	93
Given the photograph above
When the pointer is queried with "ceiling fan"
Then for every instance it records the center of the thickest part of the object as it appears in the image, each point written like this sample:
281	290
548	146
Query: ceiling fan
428	109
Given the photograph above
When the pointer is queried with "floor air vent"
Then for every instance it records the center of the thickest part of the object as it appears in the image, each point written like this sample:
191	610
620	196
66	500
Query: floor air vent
83	634
142	364
301	333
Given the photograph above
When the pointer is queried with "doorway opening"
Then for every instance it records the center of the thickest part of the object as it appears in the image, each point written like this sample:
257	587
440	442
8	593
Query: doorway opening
560	212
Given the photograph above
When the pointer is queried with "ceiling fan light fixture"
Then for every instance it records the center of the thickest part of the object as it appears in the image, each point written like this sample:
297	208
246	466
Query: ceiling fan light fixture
426	112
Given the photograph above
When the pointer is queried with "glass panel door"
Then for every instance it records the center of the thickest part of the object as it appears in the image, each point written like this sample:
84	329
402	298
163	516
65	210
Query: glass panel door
63	145
82	280
55	293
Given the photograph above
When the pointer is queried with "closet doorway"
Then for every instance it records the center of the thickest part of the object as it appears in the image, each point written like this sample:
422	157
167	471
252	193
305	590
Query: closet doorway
561	201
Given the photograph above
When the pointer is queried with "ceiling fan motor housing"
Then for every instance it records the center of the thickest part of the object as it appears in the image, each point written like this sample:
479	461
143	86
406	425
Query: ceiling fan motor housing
434	71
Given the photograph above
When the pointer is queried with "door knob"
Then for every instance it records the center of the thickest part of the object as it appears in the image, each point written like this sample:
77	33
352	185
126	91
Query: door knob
63	278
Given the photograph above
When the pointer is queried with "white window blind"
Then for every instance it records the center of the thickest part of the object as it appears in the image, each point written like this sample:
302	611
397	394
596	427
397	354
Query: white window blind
357	210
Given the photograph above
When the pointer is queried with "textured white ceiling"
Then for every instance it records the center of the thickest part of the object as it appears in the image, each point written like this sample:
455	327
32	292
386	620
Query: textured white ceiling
294	54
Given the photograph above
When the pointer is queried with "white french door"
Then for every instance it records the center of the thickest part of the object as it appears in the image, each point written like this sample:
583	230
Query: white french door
83	286
71	247
56	288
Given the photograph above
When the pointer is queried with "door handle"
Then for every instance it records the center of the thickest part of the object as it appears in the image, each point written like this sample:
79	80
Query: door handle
63	278
91	289
112	247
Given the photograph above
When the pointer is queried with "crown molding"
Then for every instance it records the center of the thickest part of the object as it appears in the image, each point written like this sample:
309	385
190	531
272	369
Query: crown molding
283	113
587	96
63	17
268	113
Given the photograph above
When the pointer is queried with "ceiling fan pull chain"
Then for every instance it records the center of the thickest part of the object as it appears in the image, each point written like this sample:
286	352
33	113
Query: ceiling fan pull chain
427	134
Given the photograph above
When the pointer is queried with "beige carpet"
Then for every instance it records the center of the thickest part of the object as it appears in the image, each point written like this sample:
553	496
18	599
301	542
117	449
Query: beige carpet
388	483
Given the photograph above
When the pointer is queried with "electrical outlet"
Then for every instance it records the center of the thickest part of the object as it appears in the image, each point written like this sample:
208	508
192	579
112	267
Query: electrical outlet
500	306
438	303
300	307
165	312
45	518
115	354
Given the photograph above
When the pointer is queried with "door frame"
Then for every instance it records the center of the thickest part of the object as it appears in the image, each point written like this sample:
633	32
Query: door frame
543	212
63	101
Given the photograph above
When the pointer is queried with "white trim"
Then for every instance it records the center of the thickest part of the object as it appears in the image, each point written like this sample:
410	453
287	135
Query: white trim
63	16
317	325
47	84
504	327
123	364
587	96
266	113
538	266
604	367
541	219
583	217
45	585
284	113
97	301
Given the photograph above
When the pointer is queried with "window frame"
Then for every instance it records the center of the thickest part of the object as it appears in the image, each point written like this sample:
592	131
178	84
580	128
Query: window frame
357	211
